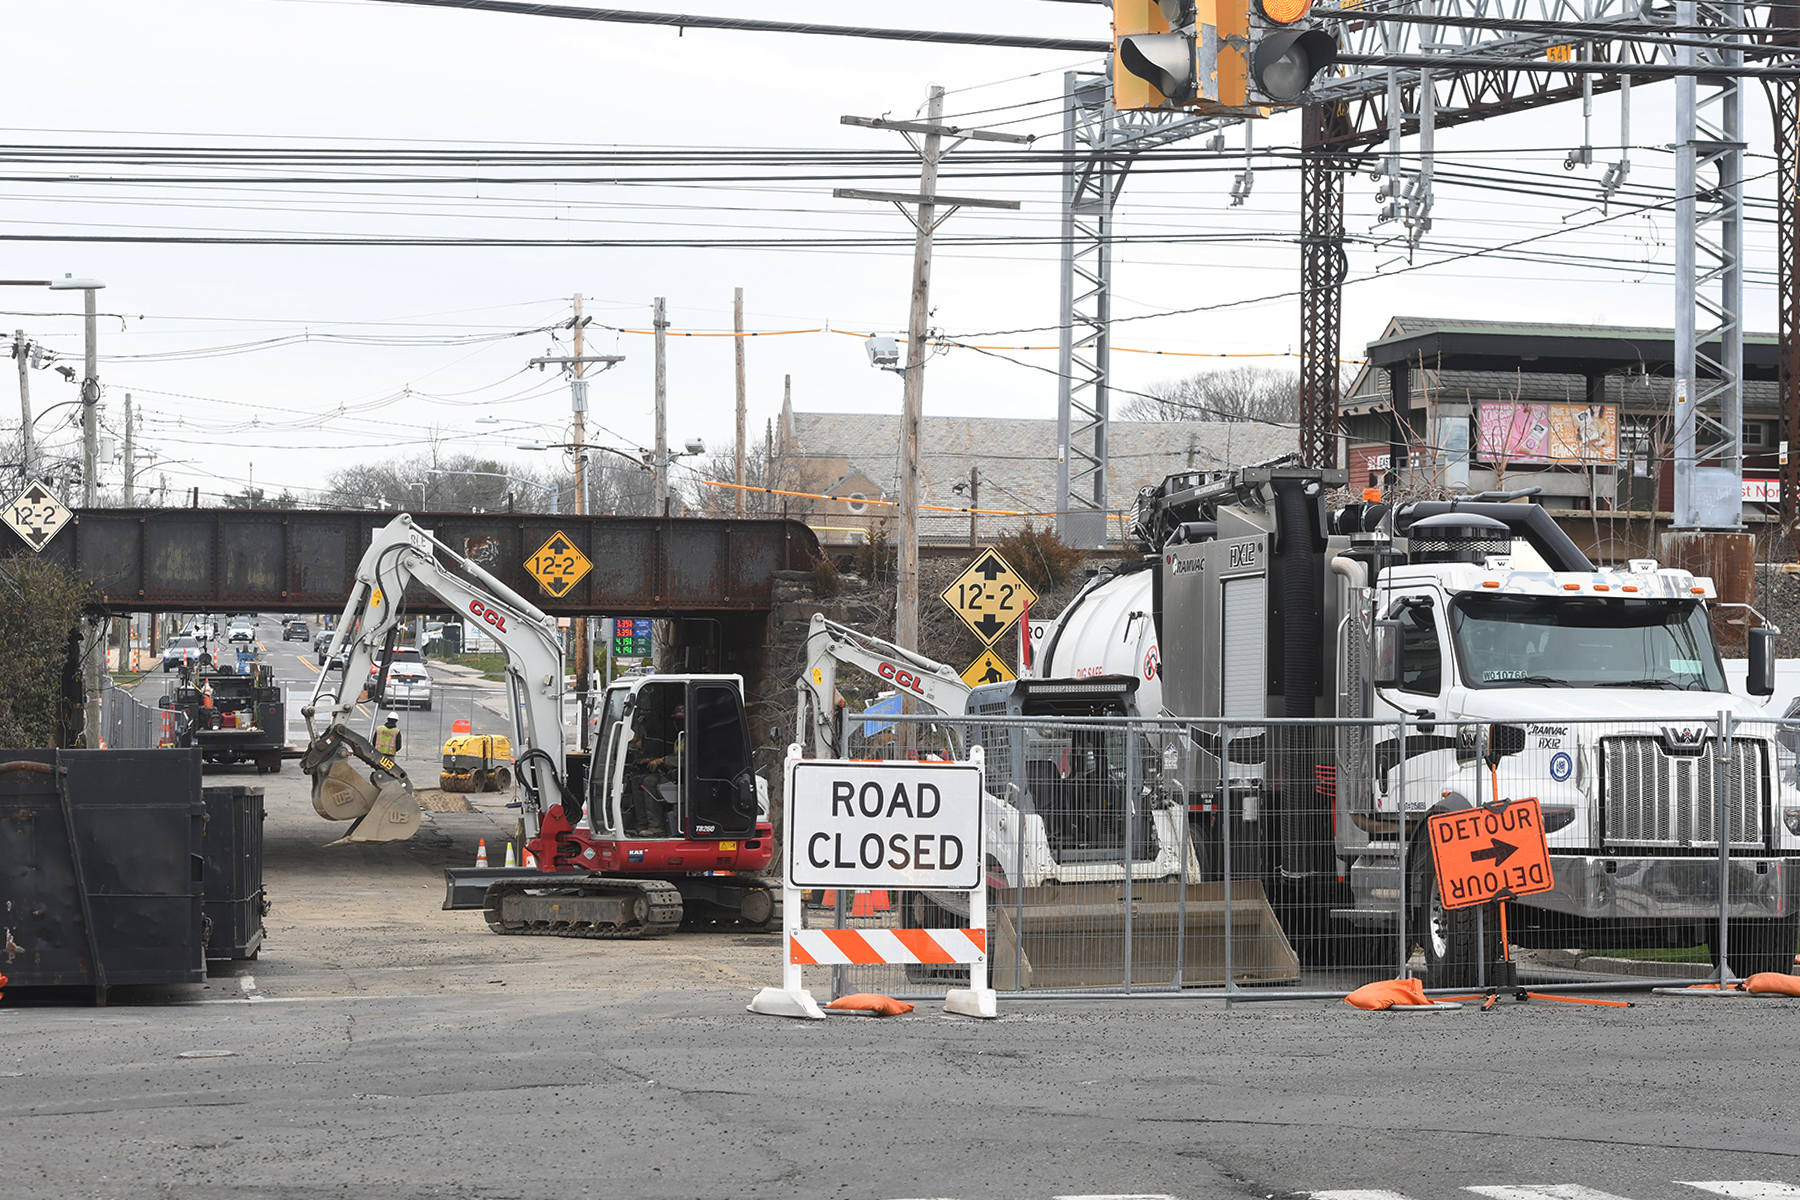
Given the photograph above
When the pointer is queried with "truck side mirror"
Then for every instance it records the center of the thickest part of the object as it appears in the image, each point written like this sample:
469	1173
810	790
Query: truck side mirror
1761	679
1504	740
1387	640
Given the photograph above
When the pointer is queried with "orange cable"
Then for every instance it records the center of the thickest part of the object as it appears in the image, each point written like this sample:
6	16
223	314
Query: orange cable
980	512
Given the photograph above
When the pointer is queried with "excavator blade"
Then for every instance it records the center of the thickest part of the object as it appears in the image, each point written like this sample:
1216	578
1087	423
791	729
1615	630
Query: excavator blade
1074	936
342	793
394	817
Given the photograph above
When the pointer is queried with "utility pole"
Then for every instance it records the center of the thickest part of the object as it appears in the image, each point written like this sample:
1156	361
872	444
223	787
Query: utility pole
660	477
931	151
737	322
130	461
578	401
912	409
974	499
22	353
576	364
90	403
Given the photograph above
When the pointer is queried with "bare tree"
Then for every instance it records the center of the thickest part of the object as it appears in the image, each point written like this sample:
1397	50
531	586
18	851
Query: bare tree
1233	394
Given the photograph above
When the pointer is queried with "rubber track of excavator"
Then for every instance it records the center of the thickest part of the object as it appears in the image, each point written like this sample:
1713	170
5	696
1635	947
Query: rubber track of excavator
663	917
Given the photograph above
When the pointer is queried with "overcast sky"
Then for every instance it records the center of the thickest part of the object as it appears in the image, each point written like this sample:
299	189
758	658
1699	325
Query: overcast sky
288	362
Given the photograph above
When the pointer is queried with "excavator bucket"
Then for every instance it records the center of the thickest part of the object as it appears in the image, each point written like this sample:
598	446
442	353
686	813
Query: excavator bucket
394	817
1074	935
342	793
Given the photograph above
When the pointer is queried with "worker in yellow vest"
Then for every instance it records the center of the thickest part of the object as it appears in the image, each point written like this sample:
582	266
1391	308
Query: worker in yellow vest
387	738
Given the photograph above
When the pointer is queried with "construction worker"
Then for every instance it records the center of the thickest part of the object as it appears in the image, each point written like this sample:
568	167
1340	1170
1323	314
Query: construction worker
387	738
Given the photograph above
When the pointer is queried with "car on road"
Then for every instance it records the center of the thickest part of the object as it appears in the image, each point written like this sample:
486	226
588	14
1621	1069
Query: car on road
321	640
408	686
242	633
203	629
295	630
179	650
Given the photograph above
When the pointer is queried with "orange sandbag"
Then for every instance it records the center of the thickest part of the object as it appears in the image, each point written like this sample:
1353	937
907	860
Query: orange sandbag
870	1002
1773	983
1385	993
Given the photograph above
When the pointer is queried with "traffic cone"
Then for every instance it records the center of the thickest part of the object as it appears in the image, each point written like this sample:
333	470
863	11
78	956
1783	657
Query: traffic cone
867	904
530	861
510	860
481	854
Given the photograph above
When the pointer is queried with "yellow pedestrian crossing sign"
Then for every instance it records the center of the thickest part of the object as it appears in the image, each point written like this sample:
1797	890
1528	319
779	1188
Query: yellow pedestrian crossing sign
558	565
989	668
989	596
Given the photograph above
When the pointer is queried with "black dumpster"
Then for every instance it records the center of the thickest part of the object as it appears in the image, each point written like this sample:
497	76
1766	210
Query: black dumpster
101	868
234	872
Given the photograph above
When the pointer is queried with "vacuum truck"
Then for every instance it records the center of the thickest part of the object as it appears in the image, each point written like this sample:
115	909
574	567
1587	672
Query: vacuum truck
1259	610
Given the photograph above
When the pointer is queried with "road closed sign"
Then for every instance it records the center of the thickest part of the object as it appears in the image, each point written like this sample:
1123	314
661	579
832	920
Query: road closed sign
902	825
1495	852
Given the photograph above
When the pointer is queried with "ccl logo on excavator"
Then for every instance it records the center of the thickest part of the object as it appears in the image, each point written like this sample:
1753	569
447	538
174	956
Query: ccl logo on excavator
497	620
901	677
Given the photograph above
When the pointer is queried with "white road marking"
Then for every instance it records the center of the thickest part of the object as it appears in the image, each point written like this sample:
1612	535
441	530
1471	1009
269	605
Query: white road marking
1359	1194
1117	1196
1745	1189
1546	1191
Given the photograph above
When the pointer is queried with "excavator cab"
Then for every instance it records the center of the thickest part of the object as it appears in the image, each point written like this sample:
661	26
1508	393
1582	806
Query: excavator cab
674	761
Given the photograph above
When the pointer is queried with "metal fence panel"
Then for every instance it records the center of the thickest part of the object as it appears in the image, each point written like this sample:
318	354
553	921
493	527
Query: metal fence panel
1288	858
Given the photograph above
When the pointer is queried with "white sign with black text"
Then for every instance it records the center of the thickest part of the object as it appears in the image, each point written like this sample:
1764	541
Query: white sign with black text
885	825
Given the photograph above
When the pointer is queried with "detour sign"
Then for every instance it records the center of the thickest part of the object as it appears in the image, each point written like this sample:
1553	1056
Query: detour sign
1495	852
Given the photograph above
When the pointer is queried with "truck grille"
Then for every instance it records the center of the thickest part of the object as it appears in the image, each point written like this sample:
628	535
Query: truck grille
1653	798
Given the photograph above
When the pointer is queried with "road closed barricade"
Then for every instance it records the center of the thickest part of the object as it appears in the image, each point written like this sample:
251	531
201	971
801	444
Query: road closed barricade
882	826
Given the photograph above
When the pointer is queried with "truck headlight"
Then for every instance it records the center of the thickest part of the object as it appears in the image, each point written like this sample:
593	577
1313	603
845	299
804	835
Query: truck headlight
1791	818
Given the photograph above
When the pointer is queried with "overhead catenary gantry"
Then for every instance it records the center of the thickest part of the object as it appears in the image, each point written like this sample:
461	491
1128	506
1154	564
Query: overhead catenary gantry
1430	65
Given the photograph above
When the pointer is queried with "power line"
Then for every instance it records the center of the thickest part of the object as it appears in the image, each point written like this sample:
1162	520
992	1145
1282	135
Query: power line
681	21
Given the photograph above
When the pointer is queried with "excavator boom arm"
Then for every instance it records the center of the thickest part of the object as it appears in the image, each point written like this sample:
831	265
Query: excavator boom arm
926	683
400	555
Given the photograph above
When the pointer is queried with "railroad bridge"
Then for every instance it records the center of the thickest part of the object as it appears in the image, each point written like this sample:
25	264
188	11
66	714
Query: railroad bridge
719	581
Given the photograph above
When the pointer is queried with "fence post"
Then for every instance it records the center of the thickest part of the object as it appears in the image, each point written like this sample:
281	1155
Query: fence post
1403	849
1131	808
1722	827
1181	877
1225	856
1015	738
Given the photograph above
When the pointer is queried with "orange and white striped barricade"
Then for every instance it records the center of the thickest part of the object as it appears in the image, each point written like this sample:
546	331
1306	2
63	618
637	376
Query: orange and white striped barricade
898	826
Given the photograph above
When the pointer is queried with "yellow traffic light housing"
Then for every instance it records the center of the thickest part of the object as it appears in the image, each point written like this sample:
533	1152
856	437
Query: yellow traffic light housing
1181	54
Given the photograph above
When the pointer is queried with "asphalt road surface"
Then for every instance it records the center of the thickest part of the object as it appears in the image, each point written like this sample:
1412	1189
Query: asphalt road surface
381	1046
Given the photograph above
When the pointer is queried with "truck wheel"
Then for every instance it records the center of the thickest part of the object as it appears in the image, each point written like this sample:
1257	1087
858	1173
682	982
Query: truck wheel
1449	937
1759	946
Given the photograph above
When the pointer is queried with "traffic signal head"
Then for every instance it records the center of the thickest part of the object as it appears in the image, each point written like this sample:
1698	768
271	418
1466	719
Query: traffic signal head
1286	51
1169	54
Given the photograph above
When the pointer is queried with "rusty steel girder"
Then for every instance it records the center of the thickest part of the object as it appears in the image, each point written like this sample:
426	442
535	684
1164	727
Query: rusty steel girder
302	560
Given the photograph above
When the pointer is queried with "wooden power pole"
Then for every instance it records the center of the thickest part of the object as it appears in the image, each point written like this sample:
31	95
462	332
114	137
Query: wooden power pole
737	324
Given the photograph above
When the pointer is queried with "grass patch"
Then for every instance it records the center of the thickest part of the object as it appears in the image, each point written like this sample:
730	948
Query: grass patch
492	665
1687	954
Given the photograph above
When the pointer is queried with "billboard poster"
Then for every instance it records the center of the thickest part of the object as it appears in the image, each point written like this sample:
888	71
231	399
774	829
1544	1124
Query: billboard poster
1570	435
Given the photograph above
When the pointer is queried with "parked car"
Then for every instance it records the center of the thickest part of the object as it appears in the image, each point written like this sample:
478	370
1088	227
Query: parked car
178	650
295	630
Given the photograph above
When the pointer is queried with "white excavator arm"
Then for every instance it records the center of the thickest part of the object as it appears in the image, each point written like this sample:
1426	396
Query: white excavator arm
384	807
926	683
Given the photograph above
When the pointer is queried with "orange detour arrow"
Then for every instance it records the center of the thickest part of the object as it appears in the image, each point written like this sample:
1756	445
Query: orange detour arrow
1495	852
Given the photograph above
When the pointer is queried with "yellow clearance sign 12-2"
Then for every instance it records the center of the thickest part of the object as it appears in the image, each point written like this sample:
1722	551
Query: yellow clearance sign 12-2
989	596
558	565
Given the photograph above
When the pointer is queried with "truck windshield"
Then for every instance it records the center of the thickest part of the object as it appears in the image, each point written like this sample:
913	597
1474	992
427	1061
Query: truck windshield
1545	641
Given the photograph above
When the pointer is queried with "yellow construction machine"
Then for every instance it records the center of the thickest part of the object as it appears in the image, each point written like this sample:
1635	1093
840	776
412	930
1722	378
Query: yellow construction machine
477	762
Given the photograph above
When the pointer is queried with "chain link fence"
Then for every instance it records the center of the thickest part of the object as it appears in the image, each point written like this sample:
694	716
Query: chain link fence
1287	859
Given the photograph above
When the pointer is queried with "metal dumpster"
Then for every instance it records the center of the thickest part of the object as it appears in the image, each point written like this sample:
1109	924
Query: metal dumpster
101	868
234	872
